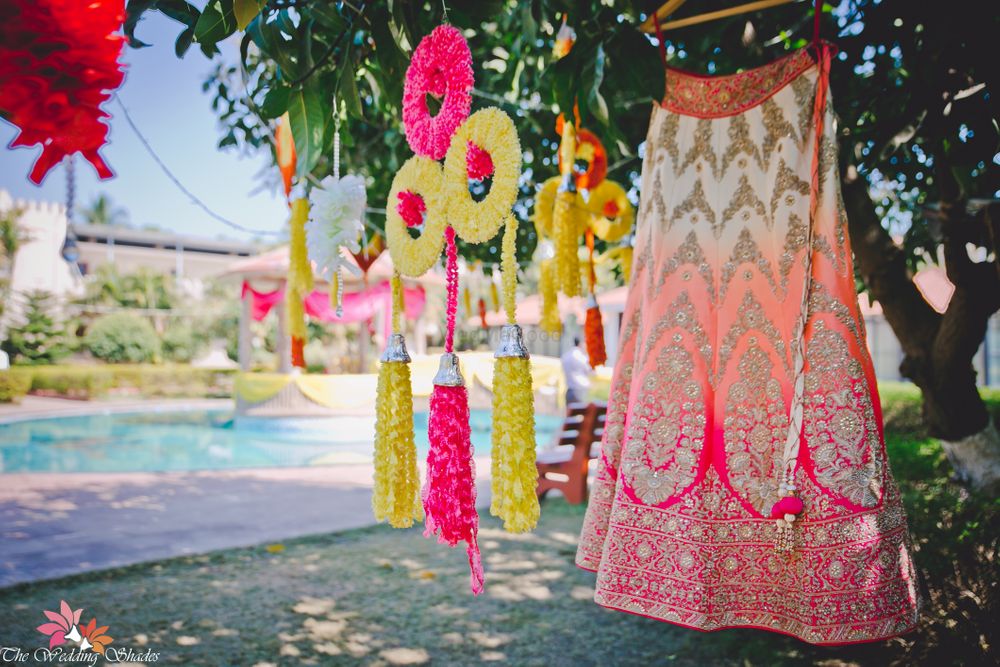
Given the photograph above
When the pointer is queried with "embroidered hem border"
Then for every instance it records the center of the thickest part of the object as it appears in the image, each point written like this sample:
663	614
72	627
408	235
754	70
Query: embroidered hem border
718	96
641	571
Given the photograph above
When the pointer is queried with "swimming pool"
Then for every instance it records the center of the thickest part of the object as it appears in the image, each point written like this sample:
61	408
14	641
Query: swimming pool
206	440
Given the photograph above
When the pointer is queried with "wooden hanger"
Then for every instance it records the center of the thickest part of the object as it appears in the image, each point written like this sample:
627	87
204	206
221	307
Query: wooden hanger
671	6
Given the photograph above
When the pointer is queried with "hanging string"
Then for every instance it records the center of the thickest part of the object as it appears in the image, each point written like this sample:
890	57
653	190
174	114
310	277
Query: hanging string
817	11
452	283
790	454
659	40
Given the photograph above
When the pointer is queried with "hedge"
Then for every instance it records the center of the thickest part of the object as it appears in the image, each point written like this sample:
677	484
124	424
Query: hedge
88	382
13	386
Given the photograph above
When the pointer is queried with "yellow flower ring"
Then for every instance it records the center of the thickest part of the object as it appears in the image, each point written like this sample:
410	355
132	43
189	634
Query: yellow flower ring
545	204
609	197
493	131
415	256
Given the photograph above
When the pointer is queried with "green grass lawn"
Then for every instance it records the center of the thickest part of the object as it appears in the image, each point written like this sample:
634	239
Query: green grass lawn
379	596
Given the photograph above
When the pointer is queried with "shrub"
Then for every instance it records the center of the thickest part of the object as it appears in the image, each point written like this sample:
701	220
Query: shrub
180	342
84	382
121	338
88	382
40	339
13	386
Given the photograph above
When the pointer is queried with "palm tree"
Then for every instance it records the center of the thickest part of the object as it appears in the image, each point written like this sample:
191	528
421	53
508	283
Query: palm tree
102	211
12	237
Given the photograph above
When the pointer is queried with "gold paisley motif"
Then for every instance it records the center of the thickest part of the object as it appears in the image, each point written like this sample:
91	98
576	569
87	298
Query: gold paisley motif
751	317
754	430
839	423
776	128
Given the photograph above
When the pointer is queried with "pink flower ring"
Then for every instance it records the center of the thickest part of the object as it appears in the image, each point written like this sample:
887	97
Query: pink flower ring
441	66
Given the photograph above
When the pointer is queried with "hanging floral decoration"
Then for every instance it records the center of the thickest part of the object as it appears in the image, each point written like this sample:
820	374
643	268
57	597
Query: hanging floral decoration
574	204
336	207
565	38
59	62
442	67
300	279
436	199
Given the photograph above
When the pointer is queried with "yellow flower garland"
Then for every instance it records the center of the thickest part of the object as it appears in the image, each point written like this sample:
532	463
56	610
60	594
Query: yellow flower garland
605	228
550	322
569	210
396	496
513	439
414	257
493	131
300	276
545	203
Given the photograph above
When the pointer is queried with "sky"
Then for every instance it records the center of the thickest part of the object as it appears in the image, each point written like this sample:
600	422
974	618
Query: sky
163	95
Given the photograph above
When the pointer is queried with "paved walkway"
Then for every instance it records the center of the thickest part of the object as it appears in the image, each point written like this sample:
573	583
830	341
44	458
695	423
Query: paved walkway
52	525
56	524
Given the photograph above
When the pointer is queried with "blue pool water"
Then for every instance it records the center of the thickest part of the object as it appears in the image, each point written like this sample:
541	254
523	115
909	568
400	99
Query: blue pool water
206	440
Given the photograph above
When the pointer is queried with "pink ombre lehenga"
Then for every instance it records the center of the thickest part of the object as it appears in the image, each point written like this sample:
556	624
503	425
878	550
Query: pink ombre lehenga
721	413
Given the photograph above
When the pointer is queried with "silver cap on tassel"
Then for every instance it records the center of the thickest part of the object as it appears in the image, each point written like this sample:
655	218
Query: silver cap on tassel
591	301
511	343
449	374
396	349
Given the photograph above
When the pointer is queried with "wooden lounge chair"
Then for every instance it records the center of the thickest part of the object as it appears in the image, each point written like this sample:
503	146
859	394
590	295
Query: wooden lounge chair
565	467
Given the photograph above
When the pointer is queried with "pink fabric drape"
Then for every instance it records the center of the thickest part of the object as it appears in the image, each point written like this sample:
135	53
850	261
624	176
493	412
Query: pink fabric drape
358	306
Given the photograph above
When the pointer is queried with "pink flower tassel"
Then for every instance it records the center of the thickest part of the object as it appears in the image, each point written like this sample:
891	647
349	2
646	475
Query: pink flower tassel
449	495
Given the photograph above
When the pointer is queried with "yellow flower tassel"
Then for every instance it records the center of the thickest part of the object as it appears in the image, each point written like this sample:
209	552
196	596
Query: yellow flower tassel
550	322
396	496
467	301
300	279
566	218
514	476
494	297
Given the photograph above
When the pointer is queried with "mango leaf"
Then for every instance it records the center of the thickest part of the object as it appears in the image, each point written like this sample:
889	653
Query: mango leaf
216	22
308	114
245	11
275	102
267	37
183	42
326	14
595	72
347	88
133	12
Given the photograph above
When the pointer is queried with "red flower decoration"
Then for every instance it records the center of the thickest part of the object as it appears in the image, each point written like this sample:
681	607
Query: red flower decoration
58	64
411	208
479	164
441	66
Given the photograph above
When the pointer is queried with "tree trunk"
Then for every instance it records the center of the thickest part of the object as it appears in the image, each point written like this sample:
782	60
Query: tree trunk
938	349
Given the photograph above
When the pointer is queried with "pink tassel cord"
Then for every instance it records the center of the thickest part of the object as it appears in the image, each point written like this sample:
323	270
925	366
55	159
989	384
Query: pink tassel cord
450	493
451	276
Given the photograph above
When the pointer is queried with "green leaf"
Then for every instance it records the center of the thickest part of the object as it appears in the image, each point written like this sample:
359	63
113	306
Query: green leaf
245	11
596	102
183	42
268	39
275	102
216	23
326	14
133	12
308	114
347	88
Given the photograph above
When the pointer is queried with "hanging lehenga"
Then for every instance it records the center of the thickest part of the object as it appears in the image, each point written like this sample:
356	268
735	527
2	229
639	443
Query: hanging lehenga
743	480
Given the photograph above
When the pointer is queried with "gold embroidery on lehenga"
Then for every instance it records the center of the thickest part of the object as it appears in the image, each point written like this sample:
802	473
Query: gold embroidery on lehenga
666	429
701	149
745	252
740	143
776	128
681	314
743	198
750	317
755	427
688	253
667	137
839	423
804	89
693	204
787	181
